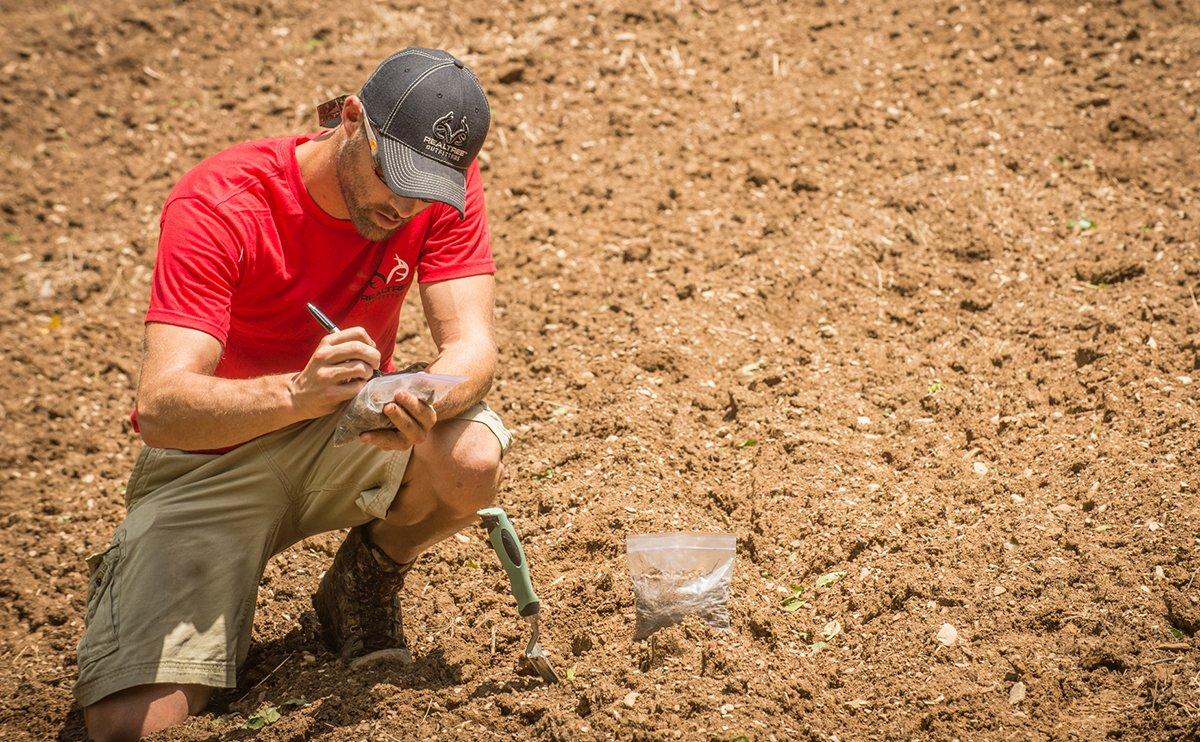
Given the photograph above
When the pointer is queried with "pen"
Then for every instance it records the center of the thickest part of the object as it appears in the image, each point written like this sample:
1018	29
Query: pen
327	323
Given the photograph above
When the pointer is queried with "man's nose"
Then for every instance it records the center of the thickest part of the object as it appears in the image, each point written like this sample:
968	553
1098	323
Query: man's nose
408	207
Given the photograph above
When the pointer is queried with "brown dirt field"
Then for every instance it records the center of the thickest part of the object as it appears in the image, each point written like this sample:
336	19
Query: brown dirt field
805	272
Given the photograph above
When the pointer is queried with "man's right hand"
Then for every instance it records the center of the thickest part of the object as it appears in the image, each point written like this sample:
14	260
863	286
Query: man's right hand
342	363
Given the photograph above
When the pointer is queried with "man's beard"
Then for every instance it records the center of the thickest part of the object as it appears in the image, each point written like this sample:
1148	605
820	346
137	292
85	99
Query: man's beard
360	213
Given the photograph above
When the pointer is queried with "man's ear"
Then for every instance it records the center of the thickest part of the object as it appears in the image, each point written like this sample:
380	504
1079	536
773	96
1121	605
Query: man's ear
352	113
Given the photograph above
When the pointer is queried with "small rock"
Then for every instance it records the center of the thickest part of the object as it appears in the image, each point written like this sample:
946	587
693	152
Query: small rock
1016	694
462	538
1159	574
726	709
947	635
831	629
309	658
999	590
630	699
827	331
979	468
1153	525
864	421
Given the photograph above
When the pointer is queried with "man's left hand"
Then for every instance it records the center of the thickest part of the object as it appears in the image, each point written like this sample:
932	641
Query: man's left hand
413	420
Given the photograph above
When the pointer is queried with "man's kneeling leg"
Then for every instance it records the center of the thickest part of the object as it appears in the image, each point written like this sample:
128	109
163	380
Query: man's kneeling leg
144	709
450	476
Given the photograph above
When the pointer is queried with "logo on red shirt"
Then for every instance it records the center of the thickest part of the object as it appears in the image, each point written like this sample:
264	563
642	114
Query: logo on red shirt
392	282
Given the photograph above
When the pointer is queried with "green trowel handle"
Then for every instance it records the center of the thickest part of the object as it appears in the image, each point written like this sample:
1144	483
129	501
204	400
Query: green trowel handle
512	557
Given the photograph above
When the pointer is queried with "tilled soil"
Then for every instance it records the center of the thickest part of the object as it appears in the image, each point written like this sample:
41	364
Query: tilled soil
904	291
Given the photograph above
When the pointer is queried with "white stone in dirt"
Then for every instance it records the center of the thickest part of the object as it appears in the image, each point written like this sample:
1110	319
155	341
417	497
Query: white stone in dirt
831	629
979	468
1016	694
947	635
1153	525
863	421
630	698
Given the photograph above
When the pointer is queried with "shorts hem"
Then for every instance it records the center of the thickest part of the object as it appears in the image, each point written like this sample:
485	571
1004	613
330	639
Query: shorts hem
213	674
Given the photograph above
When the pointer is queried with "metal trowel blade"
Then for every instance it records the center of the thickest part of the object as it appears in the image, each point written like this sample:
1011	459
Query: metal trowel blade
536	658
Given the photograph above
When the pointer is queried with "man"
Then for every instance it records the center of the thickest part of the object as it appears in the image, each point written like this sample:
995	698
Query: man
241	388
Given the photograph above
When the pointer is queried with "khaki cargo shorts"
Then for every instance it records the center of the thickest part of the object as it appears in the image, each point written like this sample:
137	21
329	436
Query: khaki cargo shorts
171	600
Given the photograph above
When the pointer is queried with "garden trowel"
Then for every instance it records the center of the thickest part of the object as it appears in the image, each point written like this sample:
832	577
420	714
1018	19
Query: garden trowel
512	557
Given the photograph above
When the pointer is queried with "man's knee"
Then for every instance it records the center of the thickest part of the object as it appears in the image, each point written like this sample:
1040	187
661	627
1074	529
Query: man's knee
141	710
471	474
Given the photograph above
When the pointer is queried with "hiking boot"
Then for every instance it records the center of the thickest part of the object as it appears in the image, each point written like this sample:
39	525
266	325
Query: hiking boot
357	602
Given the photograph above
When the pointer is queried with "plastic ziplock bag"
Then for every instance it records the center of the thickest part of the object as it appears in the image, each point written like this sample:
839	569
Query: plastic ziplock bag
365	411
675	574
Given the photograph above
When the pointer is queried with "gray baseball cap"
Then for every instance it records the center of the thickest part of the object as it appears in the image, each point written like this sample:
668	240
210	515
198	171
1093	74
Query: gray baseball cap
430	117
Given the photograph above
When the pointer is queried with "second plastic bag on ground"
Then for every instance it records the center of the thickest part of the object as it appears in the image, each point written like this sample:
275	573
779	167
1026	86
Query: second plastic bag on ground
676	574
365	411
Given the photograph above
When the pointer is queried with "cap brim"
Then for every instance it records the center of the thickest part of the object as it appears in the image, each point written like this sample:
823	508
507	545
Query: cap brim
416	176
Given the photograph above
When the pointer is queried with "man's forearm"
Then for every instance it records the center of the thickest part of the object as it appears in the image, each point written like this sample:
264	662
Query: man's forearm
199	412
476	361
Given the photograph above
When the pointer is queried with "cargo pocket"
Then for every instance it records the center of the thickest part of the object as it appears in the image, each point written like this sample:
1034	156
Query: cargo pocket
100	635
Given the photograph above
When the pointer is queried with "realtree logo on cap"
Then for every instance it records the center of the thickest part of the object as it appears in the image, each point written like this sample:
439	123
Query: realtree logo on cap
446	137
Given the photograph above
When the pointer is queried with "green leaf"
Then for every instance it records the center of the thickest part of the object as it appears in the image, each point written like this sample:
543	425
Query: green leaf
750	368
12	237
1083	224
472	564
829	578
817	646
265	716
570	673
935	386
740	738
793	604
748	443
295	702
1175	632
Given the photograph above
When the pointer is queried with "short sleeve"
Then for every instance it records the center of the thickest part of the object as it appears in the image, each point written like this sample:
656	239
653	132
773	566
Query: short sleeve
197	267
456	248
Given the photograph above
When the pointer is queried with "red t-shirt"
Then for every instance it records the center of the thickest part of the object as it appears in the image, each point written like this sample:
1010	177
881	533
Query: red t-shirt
244	246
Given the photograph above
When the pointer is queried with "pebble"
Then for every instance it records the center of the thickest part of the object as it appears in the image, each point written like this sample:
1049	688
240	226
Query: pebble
309	658
630	698
999	590
831	629
1016	694
1159	574
864	421
979	468
947	635
1153	525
